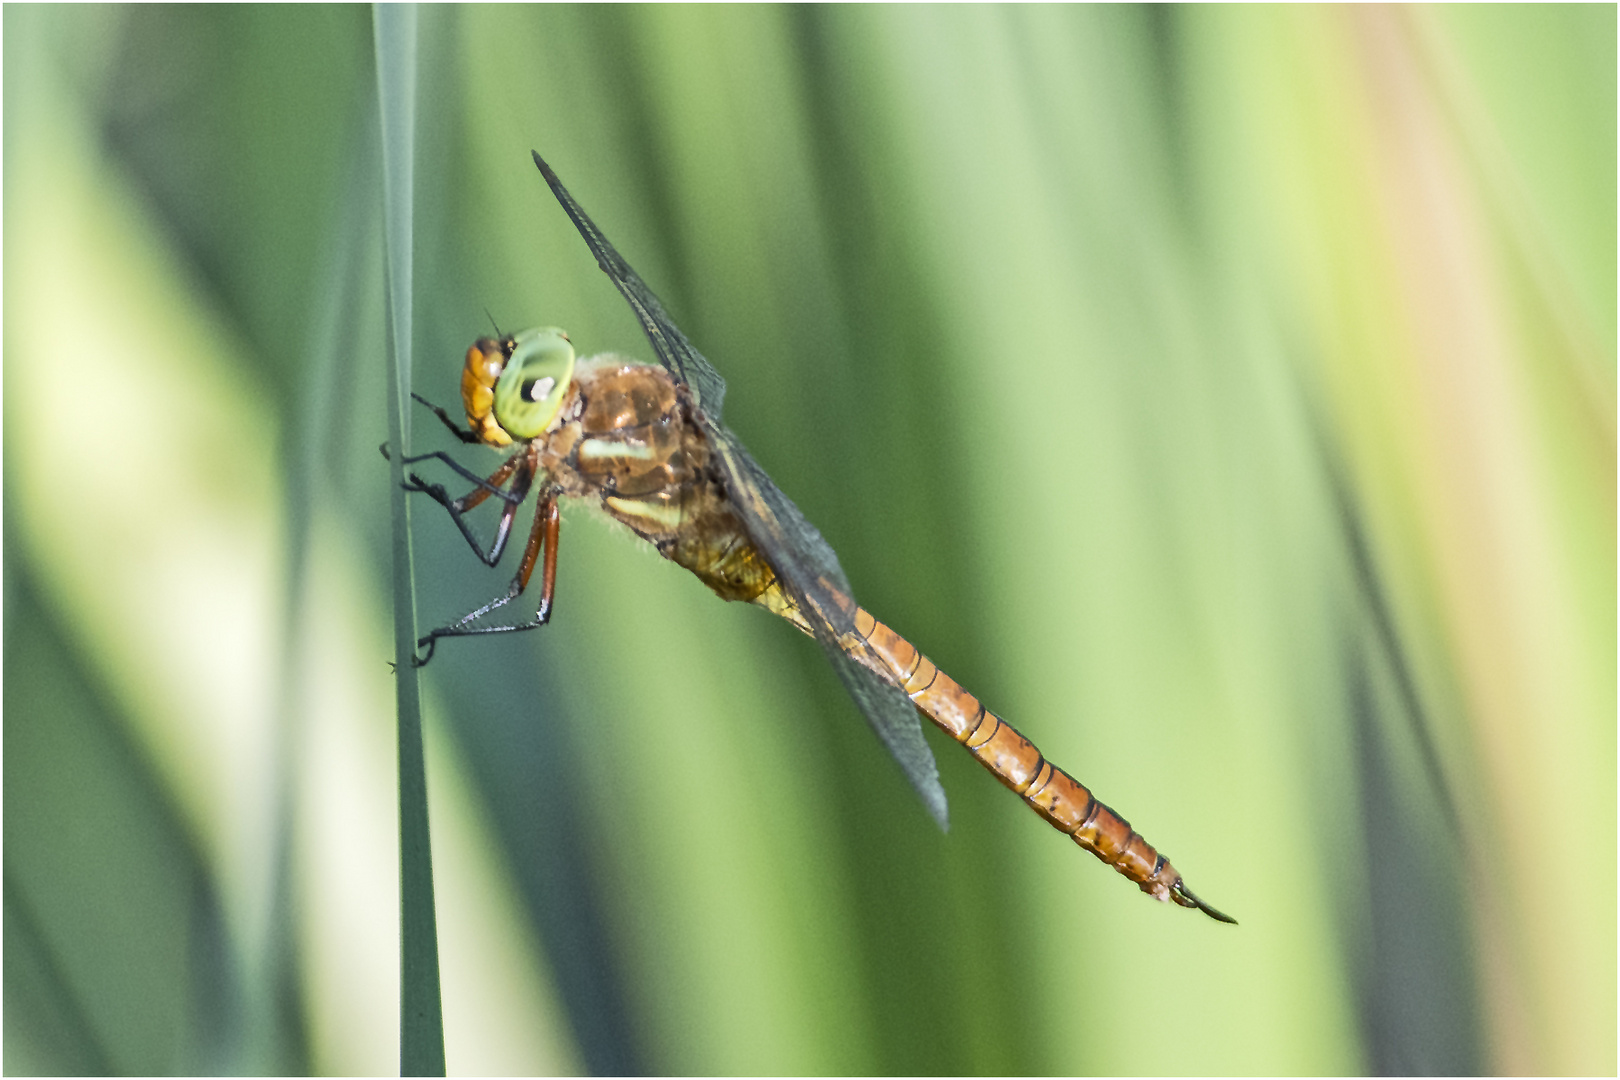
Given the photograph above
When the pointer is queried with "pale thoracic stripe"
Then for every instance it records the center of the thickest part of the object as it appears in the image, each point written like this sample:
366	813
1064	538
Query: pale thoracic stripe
605	449
667	515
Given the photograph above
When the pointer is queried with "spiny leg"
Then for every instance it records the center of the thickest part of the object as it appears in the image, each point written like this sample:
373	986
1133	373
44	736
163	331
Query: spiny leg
460	433
458	507
487	486
455	429
543	537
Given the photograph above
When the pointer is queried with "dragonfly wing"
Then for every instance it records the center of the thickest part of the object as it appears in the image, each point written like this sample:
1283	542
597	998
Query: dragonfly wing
674	351
804	563
809	572
892	716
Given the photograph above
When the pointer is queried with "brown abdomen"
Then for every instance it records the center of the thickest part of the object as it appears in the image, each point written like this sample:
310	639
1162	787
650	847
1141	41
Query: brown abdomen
1014	760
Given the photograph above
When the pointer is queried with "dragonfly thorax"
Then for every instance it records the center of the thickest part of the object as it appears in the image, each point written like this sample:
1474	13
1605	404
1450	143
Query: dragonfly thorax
628	441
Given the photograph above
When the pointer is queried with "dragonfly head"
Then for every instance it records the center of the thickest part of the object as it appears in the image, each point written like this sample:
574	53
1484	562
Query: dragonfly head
513	386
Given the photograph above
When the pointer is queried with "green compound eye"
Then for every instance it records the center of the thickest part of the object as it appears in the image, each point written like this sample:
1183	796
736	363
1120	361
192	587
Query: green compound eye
533	382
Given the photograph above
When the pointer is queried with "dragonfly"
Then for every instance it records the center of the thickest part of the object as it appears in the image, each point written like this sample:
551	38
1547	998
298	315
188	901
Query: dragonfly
644	444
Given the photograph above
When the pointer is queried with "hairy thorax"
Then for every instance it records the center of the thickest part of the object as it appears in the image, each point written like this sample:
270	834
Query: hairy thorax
627	439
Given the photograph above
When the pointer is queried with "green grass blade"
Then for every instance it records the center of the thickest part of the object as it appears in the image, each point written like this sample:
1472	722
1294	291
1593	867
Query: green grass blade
421	1036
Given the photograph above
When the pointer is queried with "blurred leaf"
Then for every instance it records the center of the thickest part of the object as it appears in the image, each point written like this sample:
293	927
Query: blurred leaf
421	1023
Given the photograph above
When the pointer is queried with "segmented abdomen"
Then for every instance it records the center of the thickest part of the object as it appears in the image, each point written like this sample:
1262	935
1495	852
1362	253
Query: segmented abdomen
1054	794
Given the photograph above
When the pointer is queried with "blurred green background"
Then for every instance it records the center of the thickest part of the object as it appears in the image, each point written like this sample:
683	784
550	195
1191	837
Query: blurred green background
1226	395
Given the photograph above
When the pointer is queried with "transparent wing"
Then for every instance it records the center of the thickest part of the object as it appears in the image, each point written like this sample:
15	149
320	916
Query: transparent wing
805	565
809	572
674	351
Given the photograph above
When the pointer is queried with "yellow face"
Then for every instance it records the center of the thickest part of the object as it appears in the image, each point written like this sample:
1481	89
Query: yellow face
513	388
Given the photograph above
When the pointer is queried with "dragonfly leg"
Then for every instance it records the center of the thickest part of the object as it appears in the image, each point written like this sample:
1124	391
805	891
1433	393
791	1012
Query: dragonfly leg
456	429
486	486
542	540
493	485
